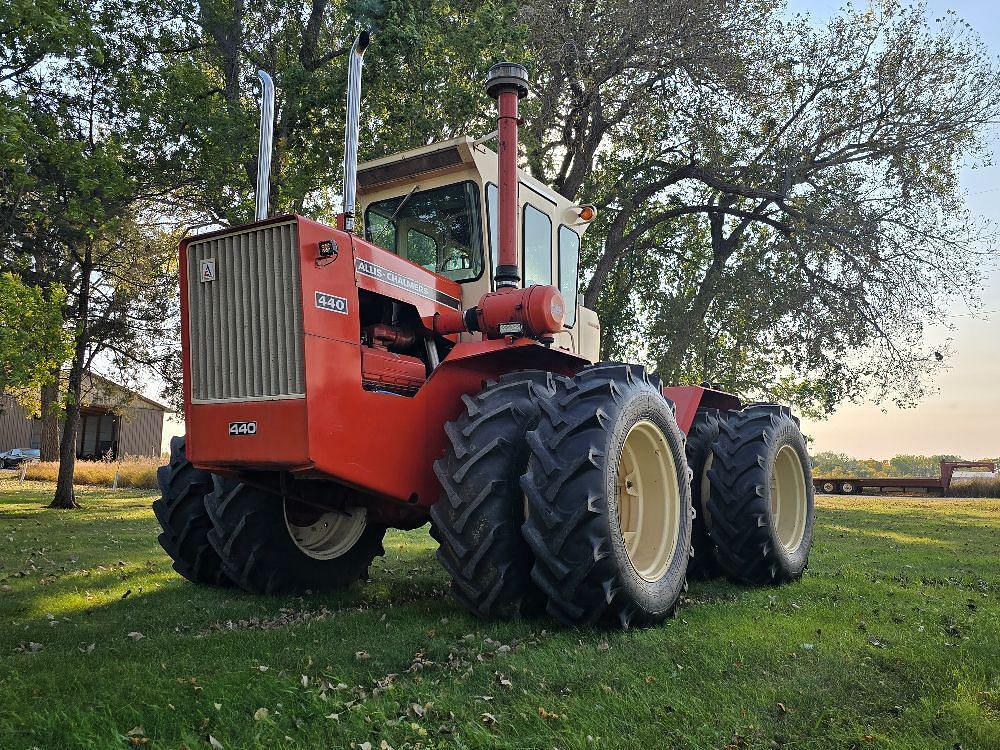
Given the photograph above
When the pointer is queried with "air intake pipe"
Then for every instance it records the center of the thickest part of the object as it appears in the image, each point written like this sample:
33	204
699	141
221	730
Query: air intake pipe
507	83
351	131
264	146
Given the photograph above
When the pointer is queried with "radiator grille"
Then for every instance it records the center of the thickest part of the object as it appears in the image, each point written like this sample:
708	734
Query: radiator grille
246	326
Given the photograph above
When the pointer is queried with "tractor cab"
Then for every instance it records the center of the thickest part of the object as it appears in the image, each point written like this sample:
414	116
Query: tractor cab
437	207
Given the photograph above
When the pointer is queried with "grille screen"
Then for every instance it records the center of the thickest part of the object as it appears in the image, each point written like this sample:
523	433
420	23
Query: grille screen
245	326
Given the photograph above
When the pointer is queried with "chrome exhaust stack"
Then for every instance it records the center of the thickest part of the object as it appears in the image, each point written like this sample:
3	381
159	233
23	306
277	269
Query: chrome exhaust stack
351	131
264	147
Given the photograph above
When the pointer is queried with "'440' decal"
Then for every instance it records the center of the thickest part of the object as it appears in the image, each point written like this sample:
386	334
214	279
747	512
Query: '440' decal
242	428
331	303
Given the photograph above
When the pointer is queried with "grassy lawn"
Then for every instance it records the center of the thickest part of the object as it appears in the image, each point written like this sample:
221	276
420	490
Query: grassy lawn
892	639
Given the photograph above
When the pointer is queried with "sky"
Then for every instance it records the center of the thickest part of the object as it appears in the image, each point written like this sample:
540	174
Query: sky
961	417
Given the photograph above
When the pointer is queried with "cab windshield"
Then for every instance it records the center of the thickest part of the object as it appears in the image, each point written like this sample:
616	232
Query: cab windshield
438	229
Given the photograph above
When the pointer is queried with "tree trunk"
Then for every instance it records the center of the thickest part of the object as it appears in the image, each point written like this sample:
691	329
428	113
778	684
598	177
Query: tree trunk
50	420
65	497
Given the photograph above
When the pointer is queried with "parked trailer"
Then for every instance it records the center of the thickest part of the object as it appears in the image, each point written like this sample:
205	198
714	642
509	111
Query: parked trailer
856	485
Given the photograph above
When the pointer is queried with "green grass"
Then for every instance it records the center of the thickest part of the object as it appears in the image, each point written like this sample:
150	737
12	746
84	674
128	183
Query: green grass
890	640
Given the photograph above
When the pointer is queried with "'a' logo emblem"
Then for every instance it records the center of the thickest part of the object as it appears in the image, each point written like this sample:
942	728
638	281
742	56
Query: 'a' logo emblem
208	269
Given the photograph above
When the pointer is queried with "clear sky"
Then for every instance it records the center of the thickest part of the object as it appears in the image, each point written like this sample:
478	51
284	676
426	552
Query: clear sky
962	417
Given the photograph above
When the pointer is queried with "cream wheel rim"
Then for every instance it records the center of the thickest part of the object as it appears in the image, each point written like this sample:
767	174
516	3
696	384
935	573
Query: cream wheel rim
829	487
325	536
788	498
649	502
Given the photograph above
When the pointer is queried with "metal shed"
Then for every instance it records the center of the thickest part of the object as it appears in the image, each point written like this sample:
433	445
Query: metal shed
114	422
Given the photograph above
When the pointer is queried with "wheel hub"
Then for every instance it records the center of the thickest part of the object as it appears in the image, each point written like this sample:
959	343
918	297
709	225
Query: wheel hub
789	505
324	535
649	503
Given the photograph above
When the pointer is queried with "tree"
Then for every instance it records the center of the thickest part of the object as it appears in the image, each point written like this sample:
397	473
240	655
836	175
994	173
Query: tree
33	342
92	163
789	226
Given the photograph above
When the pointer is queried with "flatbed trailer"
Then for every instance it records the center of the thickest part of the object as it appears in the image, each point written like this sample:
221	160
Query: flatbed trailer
940	484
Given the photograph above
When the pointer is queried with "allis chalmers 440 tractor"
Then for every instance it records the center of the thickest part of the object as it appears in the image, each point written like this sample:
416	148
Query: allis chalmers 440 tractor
441	368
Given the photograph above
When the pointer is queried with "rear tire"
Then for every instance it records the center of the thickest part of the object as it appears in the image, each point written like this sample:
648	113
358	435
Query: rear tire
186	524
761	500
271	545
829	488
703	433
477	522
609	502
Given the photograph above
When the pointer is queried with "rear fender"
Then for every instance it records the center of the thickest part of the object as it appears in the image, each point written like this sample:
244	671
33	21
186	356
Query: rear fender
689	398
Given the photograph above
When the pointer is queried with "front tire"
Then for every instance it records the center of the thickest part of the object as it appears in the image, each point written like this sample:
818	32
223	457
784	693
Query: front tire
180	509
274	545
477	521
609	502
761	500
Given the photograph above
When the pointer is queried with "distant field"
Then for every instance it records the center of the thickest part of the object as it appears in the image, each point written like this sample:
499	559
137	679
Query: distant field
890	641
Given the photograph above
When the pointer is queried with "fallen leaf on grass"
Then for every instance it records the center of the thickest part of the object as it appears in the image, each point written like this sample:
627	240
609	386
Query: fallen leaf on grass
489	719
29	647
137	736
86	649
135	635
216	745
260	714
549	715
362	655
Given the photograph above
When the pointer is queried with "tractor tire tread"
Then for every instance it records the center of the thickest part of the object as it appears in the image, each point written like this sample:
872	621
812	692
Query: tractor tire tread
184	520
477	521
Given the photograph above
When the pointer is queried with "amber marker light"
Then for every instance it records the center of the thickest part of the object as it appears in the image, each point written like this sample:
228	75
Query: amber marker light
587	212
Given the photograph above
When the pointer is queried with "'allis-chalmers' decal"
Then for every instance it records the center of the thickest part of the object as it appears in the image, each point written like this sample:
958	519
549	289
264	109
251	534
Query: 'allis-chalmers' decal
380	273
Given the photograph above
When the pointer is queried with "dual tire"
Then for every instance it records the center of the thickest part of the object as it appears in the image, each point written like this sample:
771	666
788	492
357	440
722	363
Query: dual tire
566	495
222	532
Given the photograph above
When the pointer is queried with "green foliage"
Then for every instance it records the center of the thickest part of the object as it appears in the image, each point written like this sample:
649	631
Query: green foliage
33	342
829	464
422	82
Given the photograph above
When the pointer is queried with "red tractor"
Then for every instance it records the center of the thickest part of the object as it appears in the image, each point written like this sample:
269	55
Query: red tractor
440	368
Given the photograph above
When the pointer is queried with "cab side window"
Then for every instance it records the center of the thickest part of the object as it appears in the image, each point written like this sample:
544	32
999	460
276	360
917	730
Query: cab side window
569	262
537	247
492	212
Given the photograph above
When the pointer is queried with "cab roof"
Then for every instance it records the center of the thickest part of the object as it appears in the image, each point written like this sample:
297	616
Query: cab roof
454	155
